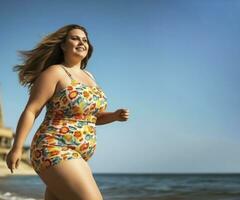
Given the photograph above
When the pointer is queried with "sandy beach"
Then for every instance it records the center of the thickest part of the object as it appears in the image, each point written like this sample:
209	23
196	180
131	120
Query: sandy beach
23	169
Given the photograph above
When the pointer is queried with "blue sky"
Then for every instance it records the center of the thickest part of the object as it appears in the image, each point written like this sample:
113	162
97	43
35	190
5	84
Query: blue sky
174	64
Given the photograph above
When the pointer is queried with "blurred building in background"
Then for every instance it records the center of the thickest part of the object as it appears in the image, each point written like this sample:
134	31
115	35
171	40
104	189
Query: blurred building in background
6	141
6	137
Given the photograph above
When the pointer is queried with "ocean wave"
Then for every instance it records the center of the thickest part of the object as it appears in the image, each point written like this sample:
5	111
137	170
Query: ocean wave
12	196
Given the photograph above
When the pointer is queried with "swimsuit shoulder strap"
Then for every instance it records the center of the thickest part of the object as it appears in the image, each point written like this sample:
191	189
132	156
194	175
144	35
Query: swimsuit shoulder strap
89	74
70	76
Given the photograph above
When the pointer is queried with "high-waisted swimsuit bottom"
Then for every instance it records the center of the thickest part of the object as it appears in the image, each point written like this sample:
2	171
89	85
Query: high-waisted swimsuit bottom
68	130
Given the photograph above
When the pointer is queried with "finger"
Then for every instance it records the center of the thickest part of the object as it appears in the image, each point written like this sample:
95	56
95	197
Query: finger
9	164
124	117
124	110
17	163
12	167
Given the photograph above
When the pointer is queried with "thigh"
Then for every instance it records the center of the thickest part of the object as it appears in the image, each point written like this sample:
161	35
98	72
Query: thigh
71	179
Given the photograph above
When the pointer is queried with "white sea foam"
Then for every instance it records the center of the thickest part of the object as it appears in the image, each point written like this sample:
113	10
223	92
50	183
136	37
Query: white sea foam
11	196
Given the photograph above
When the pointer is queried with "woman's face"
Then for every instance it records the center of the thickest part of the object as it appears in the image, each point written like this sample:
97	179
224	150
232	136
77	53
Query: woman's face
76	44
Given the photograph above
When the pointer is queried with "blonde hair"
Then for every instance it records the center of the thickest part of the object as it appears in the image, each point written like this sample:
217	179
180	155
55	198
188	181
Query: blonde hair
46	53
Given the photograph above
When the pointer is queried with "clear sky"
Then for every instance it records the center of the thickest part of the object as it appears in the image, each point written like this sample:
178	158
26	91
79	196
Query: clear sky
173	63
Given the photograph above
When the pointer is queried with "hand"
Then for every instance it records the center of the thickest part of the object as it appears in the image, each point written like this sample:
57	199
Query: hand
121	114
13	158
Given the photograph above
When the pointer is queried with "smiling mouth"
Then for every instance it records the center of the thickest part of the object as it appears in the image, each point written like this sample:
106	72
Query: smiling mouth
80	48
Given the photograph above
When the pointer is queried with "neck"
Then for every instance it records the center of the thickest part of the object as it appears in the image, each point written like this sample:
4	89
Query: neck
73	64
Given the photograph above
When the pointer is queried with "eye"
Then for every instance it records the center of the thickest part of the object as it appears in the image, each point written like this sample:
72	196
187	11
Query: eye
77	38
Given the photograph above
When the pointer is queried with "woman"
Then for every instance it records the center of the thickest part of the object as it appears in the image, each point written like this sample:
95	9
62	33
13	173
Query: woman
55	73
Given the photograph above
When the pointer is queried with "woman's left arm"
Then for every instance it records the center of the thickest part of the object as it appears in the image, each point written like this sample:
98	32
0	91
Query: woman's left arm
109	117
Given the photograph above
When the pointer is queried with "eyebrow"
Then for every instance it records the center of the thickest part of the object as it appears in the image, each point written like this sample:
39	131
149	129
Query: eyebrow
78	36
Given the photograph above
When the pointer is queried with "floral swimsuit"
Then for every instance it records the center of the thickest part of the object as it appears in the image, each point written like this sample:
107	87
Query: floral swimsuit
68	130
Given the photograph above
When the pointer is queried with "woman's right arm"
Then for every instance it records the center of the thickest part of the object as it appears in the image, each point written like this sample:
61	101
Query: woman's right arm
41	92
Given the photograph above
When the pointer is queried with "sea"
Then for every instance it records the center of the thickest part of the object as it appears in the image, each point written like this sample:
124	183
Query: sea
136	187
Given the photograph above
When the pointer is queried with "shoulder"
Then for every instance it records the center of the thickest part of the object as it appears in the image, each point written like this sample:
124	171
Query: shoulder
53	71
47	79
89	73
51	74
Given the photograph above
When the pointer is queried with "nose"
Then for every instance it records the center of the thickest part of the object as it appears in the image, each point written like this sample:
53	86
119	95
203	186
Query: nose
80	42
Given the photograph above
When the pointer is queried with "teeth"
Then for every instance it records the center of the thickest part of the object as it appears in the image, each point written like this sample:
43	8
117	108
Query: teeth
80	48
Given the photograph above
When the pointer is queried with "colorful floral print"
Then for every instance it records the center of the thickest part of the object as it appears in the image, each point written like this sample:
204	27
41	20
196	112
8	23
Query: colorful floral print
68	130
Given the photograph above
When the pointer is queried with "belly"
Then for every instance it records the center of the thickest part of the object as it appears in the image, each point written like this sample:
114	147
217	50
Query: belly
54	142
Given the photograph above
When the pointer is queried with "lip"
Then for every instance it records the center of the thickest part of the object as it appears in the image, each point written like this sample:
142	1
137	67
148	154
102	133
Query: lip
81	48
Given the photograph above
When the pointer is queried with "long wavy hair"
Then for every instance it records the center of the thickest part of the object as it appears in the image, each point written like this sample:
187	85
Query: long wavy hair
46	53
